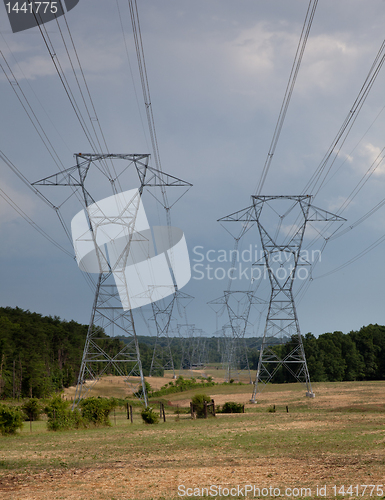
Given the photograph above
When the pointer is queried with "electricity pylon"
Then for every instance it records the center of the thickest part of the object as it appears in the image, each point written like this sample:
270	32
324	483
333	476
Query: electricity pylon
282	258
193	348
108	317
238	305
162	314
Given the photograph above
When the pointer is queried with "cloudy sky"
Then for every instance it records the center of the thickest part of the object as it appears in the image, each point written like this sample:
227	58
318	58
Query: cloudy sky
217	71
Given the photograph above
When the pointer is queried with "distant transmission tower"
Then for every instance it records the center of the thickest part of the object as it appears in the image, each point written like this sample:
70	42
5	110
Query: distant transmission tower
193	348
282	256
238	305
162	315
108	316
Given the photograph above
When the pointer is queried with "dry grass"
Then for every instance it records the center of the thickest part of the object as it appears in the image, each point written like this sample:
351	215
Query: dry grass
336	439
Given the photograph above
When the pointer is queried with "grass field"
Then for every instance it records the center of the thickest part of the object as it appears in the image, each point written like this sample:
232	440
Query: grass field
334	441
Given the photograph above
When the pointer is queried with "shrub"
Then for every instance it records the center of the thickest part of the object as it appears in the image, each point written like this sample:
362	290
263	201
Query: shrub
149	416
182	385
60	416
32	409
97	410
198	402
11	419
232	407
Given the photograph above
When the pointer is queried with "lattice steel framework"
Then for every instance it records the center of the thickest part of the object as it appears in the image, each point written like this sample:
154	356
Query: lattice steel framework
238	305
193	348
107	316
162	315
282	257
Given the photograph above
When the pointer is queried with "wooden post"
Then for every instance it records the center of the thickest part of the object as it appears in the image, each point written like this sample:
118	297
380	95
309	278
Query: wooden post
128	411
131	414
191	410
287	409
164	415
205	408
212	402
13	381
243	408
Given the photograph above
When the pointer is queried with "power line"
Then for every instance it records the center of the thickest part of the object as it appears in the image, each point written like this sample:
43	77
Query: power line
28	219
289	91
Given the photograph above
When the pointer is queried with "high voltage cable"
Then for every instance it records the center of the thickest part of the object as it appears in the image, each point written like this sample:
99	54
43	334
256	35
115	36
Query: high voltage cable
88	93
353	259
56	62
286	101
349	120
28	219
44	138
131	72
319	177
289	90
16	207
31	114
16	171
147	96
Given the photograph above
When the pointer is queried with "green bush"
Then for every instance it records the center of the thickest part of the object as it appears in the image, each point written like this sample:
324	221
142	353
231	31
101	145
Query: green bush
232	407
181	384
61	417
97	410
31	409
149	416
11	419
198	402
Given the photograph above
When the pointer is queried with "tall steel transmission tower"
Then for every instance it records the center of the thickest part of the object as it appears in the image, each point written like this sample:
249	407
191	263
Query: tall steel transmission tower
238	305
193	347
108	317
162	358
287	216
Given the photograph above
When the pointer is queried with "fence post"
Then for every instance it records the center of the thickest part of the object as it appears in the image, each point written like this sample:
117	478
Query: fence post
191	410
205	408
164	415
131	414
212	402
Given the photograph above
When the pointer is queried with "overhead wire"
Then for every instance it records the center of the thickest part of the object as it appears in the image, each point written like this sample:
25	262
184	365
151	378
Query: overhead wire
91	118
28	219
130	68
289	91
318	178
307	24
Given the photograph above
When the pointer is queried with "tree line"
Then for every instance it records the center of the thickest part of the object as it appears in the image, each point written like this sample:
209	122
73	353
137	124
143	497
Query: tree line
338	357
42	354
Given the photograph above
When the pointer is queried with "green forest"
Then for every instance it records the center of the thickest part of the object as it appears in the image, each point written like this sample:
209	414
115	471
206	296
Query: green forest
42	354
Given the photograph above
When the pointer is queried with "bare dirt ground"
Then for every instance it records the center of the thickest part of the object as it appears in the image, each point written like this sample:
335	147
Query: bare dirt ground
337	439
139	479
